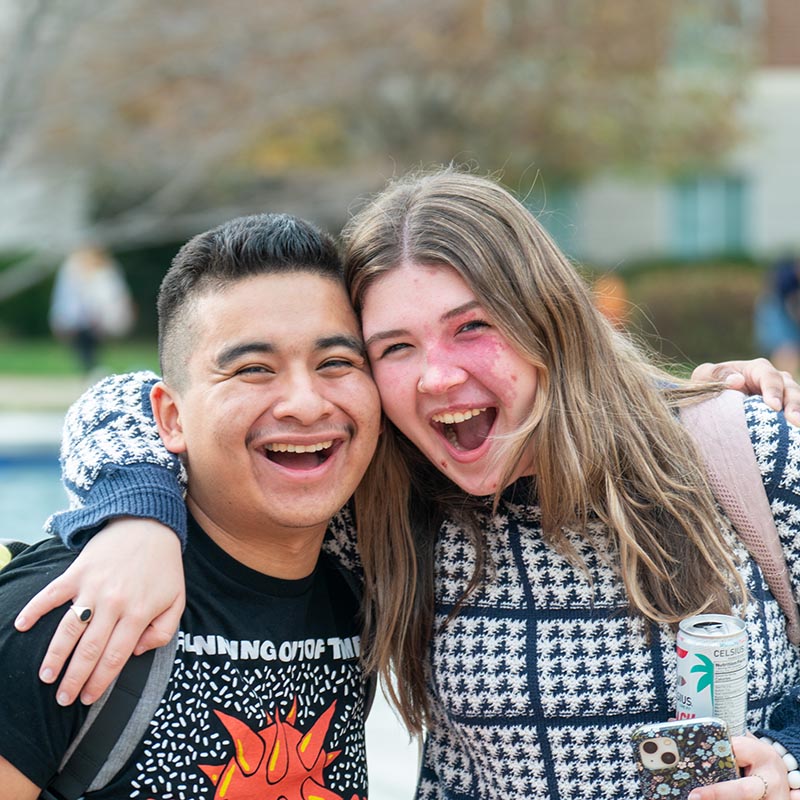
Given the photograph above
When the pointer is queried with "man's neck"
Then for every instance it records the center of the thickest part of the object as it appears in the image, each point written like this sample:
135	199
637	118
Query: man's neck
289	554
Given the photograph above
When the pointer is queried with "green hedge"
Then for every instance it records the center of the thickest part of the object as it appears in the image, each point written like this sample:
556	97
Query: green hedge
144	269
687	312
690	313
25	314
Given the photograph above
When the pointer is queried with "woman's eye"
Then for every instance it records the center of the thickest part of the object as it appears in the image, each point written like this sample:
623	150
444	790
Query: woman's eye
393	348
473	325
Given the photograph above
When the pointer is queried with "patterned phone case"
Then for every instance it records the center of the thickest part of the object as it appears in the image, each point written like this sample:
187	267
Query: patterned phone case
676	757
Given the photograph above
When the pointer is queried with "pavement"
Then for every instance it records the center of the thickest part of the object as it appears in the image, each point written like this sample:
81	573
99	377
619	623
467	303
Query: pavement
31	418
32	411
40	393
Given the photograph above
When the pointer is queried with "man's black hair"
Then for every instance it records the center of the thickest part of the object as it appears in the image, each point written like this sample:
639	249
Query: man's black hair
263	244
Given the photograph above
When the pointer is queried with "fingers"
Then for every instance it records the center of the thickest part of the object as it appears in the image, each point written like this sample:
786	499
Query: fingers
765	774
100	649
125	639
129	574
729	372
67	635
55	594
781	391
758	376
775	387
96	662
791	399
161	629
99	654
750	788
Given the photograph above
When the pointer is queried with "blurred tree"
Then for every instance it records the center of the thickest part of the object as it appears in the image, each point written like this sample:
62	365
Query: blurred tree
180	114
569	87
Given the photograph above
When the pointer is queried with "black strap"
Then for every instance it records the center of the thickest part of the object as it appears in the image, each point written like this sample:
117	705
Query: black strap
94	748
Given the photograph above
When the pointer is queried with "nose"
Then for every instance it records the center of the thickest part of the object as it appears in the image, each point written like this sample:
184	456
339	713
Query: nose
439	376
302	400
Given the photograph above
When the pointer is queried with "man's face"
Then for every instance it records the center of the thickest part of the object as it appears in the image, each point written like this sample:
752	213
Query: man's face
279	417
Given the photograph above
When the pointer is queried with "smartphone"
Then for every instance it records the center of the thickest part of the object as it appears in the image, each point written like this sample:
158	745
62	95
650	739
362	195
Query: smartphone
675	757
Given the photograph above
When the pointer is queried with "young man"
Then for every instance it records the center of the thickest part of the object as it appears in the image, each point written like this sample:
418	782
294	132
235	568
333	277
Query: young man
267	398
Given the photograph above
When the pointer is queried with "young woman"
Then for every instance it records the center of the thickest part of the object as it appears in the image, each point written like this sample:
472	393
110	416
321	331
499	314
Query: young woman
535	522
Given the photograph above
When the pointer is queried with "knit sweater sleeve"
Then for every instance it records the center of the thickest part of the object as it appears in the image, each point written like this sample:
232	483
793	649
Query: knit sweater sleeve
115	464
777	448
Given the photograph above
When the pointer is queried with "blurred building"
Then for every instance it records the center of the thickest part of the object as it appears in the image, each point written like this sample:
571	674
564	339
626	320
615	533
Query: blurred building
749	206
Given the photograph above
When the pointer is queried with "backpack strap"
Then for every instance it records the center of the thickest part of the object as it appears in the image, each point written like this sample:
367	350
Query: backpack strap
720	431
114	726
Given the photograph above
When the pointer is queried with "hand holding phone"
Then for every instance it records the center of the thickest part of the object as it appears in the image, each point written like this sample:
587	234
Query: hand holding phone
676	757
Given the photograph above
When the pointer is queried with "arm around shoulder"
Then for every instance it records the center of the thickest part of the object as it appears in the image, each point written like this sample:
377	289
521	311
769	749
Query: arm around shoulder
114	462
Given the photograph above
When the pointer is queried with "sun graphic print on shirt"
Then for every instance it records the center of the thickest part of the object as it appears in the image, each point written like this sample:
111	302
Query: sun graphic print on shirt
278	762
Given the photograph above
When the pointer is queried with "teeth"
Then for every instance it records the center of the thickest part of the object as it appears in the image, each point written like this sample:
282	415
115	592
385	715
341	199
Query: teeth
458	416
279	447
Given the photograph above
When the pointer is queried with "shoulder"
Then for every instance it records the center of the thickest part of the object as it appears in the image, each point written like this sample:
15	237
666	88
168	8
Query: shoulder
776	445
35	567
25	575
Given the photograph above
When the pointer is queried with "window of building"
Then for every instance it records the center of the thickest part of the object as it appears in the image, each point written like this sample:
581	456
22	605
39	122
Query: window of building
709	216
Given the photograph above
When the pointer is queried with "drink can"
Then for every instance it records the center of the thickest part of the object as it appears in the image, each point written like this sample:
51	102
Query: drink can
712	670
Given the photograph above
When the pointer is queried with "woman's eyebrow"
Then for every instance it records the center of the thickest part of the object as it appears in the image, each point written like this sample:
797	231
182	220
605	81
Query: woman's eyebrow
458	310
395	332
377	337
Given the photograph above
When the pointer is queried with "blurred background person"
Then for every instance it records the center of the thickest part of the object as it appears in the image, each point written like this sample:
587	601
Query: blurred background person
777	315
90	302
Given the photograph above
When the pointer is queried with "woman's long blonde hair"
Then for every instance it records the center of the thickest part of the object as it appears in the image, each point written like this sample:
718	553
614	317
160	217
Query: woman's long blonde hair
602	431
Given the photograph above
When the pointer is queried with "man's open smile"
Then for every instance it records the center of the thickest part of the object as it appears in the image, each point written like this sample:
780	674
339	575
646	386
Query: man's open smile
301	457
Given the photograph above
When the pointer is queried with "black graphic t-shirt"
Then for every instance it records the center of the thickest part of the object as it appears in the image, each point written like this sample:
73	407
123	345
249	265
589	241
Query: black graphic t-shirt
265	700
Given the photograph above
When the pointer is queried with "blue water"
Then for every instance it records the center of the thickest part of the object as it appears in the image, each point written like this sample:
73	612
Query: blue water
30	490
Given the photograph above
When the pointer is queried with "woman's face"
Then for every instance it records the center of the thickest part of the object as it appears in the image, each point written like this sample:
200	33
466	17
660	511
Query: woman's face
448	379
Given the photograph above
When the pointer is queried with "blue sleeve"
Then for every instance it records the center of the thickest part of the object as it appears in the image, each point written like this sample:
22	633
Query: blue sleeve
784	725
115	464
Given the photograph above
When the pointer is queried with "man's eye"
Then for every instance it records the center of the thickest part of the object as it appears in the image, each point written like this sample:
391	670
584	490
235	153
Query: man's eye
337	363
253	369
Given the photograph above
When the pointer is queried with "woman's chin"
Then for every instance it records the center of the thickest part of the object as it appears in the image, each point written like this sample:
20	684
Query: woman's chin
479	486
485	484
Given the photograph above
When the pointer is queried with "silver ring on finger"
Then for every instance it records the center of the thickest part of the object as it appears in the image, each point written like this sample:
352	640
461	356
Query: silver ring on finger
764	781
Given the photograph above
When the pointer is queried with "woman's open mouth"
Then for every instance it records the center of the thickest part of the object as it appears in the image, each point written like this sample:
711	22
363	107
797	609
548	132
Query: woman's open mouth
465	430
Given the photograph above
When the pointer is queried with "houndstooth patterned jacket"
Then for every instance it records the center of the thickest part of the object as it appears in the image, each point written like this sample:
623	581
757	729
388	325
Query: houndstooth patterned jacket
539	679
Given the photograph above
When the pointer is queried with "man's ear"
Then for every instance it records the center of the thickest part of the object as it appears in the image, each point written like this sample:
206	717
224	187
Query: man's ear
168	418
